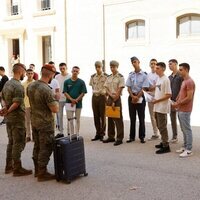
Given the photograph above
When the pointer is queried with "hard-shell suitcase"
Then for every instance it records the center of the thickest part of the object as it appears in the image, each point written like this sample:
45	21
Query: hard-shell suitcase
69	157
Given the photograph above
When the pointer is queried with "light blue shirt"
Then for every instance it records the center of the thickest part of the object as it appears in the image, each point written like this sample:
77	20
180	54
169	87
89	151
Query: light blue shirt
137	81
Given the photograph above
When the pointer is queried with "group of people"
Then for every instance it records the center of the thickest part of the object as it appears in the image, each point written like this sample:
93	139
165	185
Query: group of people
173	94
32	103
43	102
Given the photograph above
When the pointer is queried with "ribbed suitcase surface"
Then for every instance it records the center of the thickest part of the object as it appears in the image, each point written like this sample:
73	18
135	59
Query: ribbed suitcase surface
69	158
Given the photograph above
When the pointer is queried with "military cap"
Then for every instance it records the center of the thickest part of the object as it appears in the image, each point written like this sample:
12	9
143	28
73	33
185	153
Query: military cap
134	58
98	63
49	67
114	63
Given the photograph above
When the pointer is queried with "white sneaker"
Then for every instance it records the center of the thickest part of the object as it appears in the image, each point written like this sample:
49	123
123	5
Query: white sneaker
186	153
174	140
181	150
153	137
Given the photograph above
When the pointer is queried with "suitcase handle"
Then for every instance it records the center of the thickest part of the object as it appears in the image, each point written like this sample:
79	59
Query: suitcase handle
68	129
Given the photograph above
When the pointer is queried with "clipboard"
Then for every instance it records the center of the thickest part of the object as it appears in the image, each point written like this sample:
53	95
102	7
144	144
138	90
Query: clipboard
113	113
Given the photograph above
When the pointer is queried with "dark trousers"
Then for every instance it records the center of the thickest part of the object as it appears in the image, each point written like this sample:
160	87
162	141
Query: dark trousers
138	108
173	123
98	107
118	122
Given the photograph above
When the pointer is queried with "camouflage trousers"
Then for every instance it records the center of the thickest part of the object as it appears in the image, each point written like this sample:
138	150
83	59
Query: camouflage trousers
16	141
43	145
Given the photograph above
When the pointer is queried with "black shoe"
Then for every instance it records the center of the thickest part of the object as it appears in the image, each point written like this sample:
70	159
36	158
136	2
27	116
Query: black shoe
97	137
118	142
101	138
130	140
2	122
109	140
163	150
158	146
142	141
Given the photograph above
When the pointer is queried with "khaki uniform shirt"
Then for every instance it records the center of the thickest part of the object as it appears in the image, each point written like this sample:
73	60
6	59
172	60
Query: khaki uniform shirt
12	92
114	82
40	96
97	82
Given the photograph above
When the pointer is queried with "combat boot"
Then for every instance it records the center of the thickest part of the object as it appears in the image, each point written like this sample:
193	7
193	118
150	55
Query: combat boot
44	175
9	167
36	167
19	170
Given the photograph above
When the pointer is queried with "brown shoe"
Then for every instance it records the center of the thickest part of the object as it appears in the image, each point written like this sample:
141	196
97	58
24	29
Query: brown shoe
9	167
19	170
44	175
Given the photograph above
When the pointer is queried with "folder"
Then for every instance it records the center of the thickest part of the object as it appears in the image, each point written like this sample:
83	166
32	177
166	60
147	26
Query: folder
113	113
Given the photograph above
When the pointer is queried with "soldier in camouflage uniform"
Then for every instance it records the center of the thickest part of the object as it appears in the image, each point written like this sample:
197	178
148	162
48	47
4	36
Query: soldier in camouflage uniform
97	81
14	111
43	105
114	86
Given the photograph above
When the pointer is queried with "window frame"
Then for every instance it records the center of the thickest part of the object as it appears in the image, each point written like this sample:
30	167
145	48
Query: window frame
137	21
178	19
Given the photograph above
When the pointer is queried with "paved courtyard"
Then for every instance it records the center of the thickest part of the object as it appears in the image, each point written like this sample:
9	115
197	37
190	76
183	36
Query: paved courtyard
126	172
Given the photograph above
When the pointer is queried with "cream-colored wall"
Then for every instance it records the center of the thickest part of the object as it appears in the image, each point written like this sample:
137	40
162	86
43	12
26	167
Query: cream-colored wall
78	37
160	43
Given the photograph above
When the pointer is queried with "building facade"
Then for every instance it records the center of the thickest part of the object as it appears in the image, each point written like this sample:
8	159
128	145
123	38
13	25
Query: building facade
80	32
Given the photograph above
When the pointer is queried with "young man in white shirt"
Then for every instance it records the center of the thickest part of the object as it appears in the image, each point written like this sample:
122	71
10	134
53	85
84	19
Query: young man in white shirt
162	107
64	75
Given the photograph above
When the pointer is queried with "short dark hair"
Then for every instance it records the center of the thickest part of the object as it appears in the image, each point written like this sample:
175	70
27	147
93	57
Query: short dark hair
185	66
173	60
76	67
2	68
29	70
32	64
51	63
153	59
162	65
62	64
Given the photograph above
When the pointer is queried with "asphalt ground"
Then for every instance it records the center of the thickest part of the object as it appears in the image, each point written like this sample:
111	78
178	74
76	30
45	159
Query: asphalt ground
126	172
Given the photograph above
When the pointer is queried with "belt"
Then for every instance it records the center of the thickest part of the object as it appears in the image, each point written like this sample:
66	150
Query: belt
97	94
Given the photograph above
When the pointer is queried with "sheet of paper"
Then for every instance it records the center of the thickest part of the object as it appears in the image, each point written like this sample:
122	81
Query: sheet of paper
148	97
69	107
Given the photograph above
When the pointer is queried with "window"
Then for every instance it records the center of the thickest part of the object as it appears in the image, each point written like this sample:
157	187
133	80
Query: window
188	25
14	10
45	4
135	30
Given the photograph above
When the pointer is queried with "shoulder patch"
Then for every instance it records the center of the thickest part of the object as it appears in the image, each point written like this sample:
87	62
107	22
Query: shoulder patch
110	75
105	74
145	73
93	75
120	75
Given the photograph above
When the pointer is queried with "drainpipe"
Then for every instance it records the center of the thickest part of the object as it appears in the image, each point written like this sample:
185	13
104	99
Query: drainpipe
104	43
65	25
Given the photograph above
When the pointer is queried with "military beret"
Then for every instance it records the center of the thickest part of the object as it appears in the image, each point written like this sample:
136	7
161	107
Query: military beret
114	63
49	67
134	58
98	63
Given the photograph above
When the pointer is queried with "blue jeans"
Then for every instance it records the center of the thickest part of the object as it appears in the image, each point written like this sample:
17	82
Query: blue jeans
184	119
